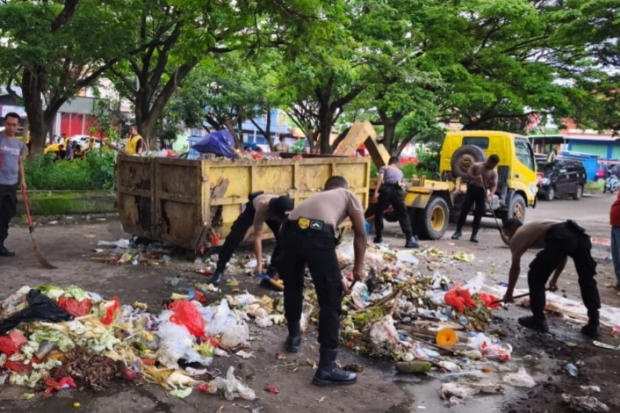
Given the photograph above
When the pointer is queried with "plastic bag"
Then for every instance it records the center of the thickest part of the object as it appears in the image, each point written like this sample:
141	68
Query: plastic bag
217	319
74	307
236	334
177	343
186	314
306	312
11	343
490	301
459	298
520	379
475	284
232	387
40	308
111	310
383	335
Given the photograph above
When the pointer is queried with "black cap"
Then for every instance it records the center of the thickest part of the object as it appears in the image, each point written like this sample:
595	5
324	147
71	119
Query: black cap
281	205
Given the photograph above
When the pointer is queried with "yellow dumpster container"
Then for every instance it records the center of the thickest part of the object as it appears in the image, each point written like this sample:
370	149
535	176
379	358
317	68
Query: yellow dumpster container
187	202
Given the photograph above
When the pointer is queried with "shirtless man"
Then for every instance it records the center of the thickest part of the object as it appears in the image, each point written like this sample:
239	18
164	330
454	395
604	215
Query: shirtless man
481	175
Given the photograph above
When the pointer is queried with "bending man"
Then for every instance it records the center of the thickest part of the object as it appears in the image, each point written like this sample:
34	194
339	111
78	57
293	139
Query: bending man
390	190
260	209
308	238
481	175
558	242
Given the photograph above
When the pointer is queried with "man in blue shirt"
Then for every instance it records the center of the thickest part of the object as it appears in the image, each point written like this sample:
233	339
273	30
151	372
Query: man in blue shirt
11	166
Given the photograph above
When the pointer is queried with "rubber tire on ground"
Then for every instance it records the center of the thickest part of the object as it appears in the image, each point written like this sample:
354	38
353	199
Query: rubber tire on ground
550	195
471	153
514	201
578	193
424	219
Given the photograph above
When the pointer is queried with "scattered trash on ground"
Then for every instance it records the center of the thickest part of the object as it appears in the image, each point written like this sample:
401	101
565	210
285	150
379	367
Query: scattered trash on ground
584	404
456	392
520	379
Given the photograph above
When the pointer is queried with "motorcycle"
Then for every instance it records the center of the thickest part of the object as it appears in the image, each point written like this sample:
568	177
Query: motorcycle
611	183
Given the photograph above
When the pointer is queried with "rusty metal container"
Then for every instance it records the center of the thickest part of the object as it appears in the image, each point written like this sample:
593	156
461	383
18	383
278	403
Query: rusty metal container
186	202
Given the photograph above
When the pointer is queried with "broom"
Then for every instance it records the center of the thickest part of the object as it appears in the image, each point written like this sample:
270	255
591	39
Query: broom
37	250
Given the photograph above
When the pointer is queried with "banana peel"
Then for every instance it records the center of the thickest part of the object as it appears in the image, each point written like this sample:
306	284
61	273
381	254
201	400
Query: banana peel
169	379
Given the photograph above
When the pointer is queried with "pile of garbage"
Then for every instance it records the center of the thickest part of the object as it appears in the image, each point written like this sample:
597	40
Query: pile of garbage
53	338
130	252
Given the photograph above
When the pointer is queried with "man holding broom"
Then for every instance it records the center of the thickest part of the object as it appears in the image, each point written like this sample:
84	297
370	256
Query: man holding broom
11	163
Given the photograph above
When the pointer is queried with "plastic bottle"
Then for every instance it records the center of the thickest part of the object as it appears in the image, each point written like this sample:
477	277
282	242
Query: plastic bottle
572	369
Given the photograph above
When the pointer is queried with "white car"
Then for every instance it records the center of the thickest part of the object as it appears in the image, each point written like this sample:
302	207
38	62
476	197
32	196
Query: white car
82	140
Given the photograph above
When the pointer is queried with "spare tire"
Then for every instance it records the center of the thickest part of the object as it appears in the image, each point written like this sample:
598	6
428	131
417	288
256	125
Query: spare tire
464	157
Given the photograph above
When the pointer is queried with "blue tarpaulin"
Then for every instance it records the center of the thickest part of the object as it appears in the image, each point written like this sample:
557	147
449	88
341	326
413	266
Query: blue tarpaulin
219	143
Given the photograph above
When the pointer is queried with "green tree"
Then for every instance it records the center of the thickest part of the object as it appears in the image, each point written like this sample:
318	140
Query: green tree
51	51
182	34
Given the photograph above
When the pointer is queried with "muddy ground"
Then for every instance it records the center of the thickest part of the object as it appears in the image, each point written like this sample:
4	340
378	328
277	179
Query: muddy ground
379	389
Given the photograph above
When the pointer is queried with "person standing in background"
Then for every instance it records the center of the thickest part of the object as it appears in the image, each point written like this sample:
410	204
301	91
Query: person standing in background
281	146
135	143
12	153
614	221
389	191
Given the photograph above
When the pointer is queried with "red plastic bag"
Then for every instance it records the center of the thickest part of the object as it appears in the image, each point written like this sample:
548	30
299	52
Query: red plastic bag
490	301
185	314
74	307
111	311
12	342
17	366
64	383
459	299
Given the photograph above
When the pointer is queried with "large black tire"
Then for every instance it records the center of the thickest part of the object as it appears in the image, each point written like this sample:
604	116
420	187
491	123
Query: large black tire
550	195
432	221
578	192
516	209
464	157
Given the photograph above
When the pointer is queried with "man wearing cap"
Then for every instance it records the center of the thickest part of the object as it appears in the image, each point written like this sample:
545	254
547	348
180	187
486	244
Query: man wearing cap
260	209
557	241
308	238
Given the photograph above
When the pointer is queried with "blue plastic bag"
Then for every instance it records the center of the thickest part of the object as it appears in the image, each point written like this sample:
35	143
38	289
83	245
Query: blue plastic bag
219	143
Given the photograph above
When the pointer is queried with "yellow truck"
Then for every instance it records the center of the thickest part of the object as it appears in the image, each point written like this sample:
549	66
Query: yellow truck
434	203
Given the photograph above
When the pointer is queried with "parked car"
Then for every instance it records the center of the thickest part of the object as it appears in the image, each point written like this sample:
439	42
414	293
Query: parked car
560	177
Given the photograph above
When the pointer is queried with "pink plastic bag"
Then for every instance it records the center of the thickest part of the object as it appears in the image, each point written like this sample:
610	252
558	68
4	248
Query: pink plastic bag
12	342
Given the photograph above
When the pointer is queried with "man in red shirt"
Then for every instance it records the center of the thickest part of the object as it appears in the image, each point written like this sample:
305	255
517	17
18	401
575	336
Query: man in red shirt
614	221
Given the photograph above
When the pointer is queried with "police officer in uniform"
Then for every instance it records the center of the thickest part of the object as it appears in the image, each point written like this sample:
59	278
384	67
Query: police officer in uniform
260	209
390	191
308	238
558	240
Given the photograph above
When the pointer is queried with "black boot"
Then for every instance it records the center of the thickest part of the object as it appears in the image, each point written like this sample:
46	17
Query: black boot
330	375
4	252
412	242
378	238
293	341
474	237
457	234
535	323
217	278
593	328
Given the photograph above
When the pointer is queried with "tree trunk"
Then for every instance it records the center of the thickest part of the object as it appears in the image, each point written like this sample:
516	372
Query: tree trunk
32	92
389	130
325	130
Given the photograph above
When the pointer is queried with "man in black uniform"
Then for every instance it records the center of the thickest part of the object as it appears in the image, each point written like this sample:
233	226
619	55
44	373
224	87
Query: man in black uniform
308	238
390	192
260	209
558	240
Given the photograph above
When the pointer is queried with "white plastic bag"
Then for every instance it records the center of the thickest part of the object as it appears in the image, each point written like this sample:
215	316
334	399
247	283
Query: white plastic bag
236	334
232	387
475	284
520	379
217	319
306	312
383	335
176	343
406	257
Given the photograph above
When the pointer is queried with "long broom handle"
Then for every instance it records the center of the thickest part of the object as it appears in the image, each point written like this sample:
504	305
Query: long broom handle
25	197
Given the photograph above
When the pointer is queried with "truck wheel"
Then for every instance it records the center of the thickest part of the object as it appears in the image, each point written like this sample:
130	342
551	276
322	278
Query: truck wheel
516	209
550	195
464	157
578	192
432	221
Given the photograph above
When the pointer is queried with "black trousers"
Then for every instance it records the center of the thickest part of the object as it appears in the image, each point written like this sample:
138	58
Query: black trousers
562	241
477	195
391	194
237	233
8	208
317	250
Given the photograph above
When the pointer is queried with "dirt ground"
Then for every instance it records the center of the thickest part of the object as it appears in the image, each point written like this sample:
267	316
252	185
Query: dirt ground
379	388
